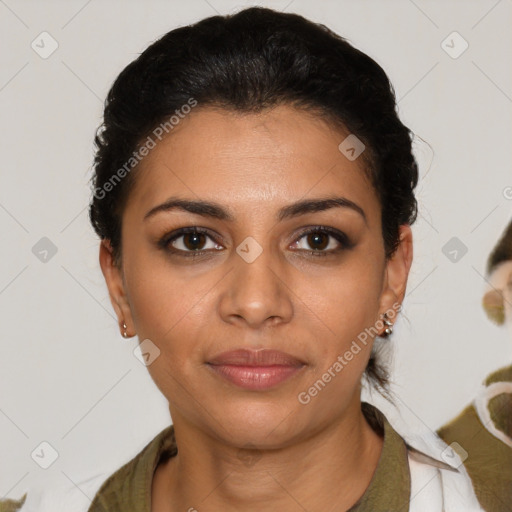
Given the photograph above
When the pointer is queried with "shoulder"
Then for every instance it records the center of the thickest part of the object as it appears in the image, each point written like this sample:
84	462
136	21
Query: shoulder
130	485
64	495
439	486
438	479
437	474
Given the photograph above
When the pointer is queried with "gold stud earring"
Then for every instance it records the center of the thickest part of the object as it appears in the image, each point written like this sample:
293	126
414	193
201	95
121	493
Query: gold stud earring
389	326
125	334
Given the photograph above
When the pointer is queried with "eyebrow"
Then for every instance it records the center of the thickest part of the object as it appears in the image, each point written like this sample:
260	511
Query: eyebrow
216	211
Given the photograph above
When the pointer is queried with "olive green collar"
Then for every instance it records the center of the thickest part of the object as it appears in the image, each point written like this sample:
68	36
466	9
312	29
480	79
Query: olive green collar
390	485
389	489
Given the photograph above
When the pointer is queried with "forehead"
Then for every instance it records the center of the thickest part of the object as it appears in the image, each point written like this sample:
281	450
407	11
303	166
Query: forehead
279	155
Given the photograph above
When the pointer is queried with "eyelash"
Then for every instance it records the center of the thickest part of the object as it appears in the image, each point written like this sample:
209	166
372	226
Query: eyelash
340	237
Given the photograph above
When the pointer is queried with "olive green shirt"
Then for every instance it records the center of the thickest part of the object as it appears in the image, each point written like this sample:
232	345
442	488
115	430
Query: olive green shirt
389	489
129	488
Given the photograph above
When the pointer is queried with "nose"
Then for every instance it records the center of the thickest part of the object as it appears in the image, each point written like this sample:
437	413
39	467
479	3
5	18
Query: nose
255	293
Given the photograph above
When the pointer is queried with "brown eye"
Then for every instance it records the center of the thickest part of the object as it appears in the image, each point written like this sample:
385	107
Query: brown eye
322	241
194	241
318	240
189	241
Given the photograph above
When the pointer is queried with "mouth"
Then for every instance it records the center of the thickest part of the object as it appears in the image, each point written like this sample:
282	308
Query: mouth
256	370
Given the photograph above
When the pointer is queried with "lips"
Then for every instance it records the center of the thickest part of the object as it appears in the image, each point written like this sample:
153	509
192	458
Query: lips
262	357
255	370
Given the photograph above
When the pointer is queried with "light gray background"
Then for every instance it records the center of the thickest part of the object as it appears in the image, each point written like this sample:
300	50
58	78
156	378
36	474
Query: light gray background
66	375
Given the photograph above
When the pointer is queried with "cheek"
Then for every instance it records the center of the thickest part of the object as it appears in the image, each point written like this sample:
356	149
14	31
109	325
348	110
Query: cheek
348	299
348	306
169	310
167	303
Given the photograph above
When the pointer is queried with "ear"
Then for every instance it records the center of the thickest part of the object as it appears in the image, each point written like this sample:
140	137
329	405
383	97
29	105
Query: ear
397	272
115	284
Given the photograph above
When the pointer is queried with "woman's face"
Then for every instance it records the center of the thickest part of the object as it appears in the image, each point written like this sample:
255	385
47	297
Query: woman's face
252	278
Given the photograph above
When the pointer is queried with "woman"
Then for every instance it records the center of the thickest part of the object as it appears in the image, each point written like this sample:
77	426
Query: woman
253	192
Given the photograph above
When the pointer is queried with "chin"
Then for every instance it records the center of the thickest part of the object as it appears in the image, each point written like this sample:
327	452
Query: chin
265	426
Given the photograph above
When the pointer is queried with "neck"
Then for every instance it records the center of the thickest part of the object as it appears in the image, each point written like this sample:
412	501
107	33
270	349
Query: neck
331	468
